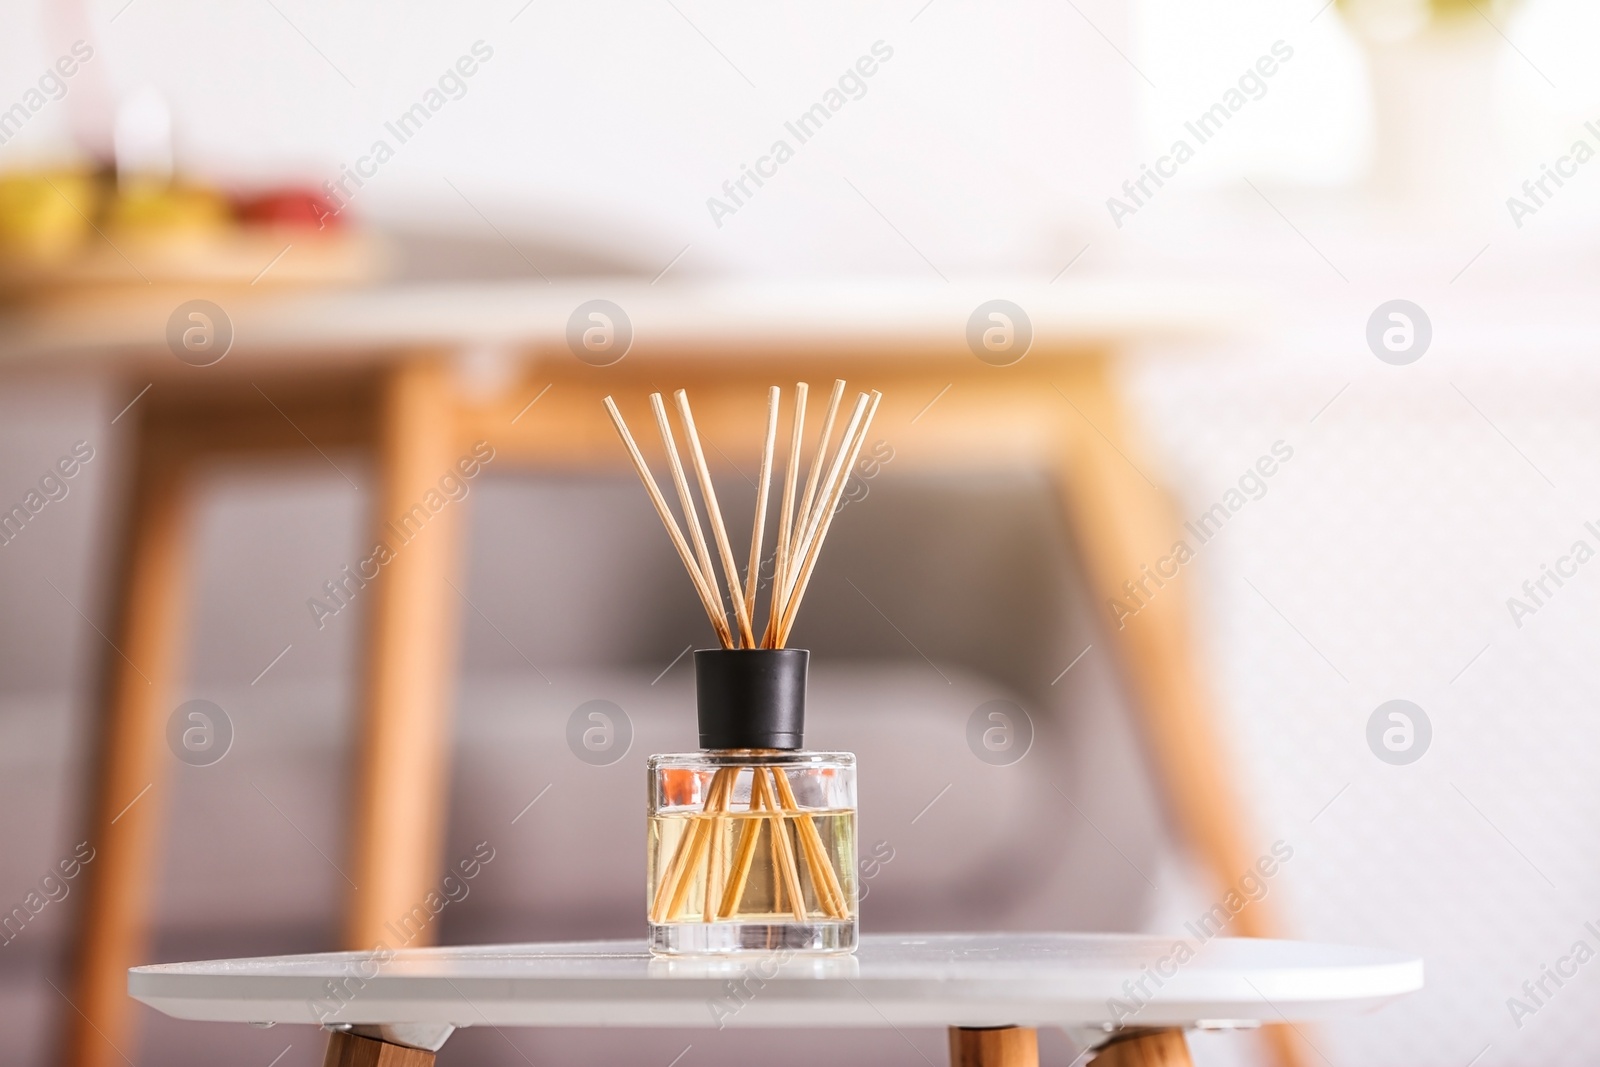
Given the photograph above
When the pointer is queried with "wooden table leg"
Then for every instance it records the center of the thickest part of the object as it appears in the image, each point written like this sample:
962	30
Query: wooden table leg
1125	525
404	740
1150	1048
348	1050
130	759
1004	1046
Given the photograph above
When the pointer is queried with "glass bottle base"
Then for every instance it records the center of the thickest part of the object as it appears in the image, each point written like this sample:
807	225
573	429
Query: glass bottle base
694	939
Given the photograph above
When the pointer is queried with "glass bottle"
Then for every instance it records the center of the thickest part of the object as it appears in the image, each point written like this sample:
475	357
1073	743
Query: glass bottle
752	841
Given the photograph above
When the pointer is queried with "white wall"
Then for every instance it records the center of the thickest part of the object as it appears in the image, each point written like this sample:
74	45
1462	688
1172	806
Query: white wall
979	140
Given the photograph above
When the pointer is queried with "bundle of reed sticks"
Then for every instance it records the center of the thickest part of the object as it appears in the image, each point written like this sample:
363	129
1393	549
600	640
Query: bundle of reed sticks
803	524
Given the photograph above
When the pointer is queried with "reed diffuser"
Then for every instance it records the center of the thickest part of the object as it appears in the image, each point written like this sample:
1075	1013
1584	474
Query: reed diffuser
752	840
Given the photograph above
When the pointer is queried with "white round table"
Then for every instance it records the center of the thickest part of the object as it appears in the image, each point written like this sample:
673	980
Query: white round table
991	989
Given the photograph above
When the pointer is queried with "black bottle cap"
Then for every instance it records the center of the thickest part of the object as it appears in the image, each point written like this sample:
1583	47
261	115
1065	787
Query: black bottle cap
751	697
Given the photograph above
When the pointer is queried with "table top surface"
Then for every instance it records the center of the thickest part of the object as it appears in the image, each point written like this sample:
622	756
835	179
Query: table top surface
706	320
1047	979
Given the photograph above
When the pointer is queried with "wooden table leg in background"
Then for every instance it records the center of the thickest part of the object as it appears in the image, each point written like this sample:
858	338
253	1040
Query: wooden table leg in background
1018	1046
1125	524
403	743
1149	1048
1001	1046
130	757
348	1050
402	748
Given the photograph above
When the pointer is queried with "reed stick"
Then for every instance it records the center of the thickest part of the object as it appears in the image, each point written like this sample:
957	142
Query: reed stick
784	850
813	514
780	565
685	880
716	801
810	562
668	882
715	837
823	875
691	515
816	863
752	572
818	459
714	864
707	599
778	895
749	838
806	534
708	493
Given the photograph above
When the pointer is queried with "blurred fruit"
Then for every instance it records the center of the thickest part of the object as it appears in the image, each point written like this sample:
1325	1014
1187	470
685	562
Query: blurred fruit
289	206
150	209
44	216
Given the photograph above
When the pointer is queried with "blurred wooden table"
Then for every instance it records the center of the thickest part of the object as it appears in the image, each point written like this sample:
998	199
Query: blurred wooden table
414	376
